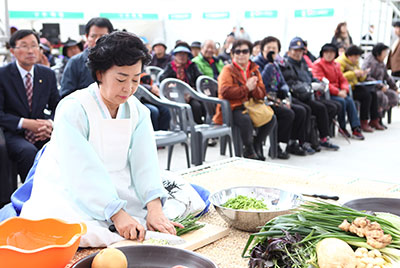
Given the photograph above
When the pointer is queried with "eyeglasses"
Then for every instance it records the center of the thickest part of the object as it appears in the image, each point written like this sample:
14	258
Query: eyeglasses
243	51
26	48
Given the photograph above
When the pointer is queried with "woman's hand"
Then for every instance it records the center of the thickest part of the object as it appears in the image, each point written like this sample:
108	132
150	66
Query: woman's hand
252	83
342	93
156	220
127	226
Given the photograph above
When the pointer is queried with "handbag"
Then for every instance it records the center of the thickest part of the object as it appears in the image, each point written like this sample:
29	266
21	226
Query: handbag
260	114
301	91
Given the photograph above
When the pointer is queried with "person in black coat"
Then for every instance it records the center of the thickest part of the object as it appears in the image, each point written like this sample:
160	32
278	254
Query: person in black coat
299	79
28	98
182	68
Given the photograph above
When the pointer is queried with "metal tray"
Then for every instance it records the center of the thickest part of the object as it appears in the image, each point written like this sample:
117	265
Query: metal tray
150	256
391	205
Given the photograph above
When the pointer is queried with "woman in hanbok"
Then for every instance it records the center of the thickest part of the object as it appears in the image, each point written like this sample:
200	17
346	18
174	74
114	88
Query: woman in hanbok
100	166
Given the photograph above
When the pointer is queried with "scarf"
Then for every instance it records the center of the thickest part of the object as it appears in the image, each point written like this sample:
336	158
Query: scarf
180	70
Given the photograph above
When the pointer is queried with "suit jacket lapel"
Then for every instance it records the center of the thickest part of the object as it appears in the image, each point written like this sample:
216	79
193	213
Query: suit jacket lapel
19	86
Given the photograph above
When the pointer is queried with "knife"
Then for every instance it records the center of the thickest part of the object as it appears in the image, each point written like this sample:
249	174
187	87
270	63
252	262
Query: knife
323	196
171	239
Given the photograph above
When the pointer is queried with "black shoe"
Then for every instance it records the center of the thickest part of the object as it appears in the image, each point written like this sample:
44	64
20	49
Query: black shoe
316	148
308	149
258	147
250	153
281	154
295	149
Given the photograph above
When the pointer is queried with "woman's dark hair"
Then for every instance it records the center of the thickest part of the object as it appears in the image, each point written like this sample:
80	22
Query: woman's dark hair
18	35
270	56
256	43
339	26
353	50
239	42
117	48
268	40
99	22
378	48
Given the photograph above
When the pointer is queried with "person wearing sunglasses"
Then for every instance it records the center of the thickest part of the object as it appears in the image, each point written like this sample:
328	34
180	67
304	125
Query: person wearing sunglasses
238	82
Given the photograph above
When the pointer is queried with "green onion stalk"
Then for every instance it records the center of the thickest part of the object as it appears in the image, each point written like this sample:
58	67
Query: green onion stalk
316	220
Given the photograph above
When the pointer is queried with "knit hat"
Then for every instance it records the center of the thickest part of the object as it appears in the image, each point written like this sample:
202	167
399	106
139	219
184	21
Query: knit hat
329	47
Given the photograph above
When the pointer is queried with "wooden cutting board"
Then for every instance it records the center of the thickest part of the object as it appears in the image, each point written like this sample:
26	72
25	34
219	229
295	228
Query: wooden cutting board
194	240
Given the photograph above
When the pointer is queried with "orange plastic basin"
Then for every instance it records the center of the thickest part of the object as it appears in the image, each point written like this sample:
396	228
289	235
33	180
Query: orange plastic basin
48	243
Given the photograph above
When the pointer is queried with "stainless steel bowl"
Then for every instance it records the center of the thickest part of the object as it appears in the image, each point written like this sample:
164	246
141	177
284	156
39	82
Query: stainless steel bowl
151	256
278	201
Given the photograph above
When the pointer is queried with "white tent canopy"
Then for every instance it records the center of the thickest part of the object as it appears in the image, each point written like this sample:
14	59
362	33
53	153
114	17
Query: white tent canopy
313	20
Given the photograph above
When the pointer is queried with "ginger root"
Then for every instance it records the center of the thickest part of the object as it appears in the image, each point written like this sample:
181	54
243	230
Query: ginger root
370	230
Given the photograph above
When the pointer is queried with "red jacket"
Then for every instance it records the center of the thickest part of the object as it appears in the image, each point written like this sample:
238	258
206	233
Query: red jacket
331	71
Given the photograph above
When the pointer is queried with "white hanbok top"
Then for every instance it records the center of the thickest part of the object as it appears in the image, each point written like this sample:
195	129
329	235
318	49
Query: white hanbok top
95	165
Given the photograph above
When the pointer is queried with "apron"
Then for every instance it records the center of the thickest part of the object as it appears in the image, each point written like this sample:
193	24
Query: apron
111	140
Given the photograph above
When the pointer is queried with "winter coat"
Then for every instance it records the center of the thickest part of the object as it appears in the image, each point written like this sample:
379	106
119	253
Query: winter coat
271	74
232	87
393	62
206	68
378	71
348	68
192	73
294	71
160	62
331	71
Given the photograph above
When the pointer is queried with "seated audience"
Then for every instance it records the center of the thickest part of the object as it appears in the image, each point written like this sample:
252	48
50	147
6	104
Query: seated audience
326	67
160	57
195	48
238	82
387	92
27	89
300	81
225	54
256	49
290	117
206	62
184	69
365	95
308	56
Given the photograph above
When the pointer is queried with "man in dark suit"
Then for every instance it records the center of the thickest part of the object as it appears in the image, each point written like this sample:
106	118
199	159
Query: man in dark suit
28	98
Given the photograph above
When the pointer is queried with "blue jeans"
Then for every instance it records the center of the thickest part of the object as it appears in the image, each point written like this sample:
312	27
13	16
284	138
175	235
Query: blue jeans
349	106
160	116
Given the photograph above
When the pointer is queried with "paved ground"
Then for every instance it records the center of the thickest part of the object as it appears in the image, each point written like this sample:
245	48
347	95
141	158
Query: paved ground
377	157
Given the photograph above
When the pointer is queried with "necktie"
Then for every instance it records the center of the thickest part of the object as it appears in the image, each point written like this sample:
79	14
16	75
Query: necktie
29	135
29	89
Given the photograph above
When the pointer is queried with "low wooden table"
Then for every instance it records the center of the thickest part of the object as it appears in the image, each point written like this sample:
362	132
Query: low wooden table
226	252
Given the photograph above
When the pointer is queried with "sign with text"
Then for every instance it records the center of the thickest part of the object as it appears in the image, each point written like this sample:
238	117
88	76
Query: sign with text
180	16
45	15
216	15
130	16
261	14
314	13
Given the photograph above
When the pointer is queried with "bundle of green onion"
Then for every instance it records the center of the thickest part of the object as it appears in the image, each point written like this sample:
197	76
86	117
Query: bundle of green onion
189	222
318	220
